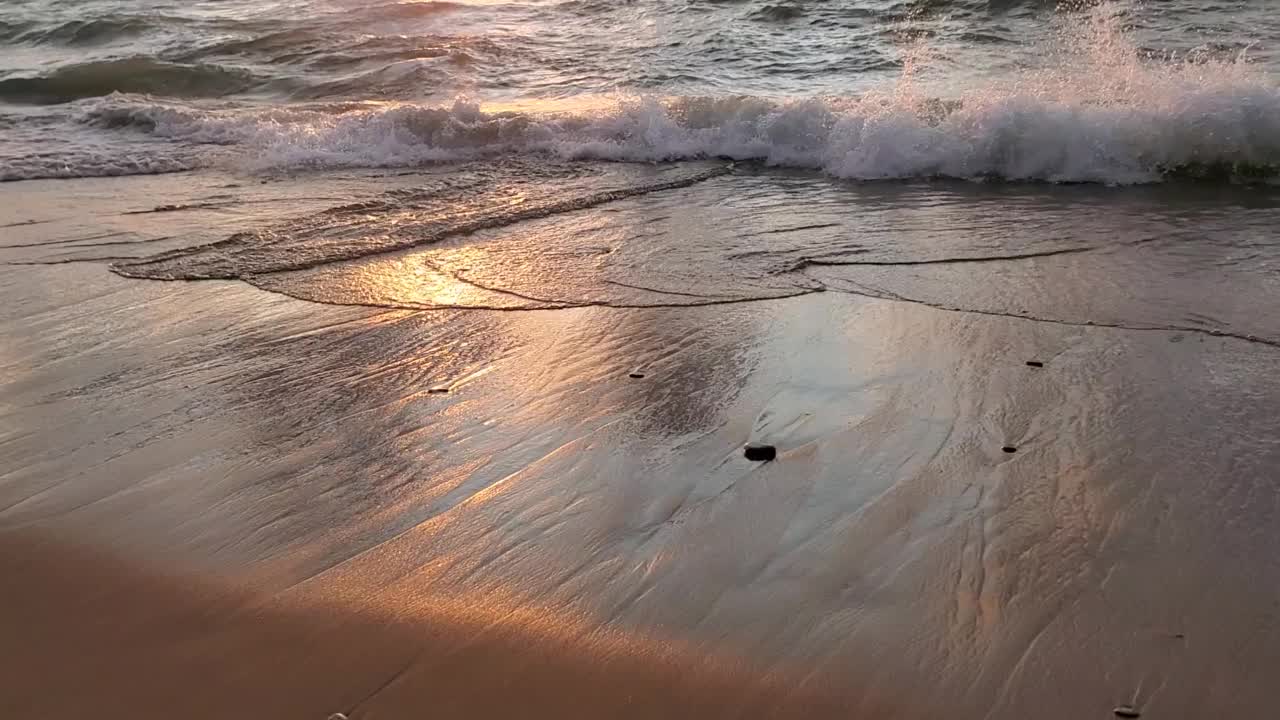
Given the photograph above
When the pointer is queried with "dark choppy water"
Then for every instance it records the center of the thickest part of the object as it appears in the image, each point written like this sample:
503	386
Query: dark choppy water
1115	92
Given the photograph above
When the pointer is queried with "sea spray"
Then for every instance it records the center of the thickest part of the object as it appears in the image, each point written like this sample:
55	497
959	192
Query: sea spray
1097	107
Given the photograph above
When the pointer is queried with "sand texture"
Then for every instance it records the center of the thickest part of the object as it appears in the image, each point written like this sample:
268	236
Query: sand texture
221	500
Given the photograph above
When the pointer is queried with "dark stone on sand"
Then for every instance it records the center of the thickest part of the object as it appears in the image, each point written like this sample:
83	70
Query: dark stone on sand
1034	363
1127	711
1009	449
438	391
760	453
636	376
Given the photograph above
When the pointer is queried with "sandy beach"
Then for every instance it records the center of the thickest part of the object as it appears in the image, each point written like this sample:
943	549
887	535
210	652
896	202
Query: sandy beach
221	501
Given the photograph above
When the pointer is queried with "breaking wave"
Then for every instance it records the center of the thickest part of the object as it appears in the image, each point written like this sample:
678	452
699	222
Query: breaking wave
1099	110
1197	120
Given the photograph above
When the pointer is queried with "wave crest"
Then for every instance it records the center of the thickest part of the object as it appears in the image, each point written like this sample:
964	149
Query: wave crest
1226	128
139	75
77	32
1099	110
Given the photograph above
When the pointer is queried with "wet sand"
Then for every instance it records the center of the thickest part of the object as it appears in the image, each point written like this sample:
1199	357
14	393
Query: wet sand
104	637
217	502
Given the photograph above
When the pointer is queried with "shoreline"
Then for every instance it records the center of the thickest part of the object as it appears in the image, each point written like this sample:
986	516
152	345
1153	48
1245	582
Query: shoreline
217	501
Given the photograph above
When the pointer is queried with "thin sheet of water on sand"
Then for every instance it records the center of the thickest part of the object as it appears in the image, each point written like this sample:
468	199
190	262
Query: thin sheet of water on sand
249	466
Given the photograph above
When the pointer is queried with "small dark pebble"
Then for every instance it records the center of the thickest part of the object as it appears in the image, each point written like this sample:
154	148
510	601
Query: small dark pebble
438	391
760	453
1034	363
1009	449
636	376
1127	711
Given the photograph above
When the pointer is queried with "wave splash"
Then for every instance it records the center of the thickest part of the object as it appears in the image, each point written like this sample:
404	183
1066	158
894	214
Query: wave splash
1099	110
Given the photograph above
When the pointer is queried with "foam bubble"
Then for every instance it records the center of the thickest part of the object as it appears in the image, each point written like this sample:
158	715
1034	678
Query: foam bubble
1097	111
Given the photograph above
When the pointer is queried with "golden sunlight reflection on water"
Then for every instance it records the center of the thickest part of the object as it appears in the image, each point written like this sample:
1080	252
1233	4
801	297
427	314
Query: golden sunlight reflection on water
414	280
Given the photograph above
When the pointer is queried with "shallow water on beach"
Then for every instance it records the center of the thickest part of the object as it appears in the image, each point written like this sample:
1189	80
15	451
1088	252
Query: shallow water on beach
577	125
413	347
407	506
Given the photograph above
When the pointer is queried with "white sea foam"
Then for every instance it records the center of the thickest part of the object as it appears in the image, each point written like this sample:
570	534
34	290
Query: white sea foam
1096	111
88	163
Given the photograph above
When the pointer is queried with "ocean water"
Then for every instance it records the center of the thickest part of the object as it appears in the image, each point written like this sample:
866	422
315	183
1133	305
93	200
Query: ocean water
1025	90
1104	163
